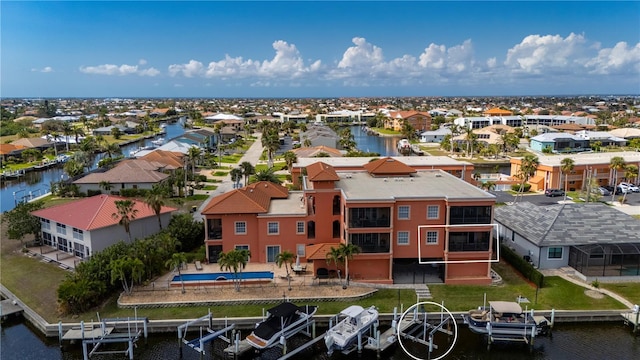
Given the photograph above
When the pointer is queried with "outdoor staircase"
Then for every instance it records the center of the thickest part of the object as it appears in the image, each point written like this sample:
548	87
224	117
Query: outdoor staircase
422	292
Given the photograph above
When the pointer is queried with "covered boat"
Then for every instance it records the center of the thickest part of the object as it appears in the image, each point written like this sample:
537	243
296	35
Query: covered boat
404	147
505	318
355	320
282	320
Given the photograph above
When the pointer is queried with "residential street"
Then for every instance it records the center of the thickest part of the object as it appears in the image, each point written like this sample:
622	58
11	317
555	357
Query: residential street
252	155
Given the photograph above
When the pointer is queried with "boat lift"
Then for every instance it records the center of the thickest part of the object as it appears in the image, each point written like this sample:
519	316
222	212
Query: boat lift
198	344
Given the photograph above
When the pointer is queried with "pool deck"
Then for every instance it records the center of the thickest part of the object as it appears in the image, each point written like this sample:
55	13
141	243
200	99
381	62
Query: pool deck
279	273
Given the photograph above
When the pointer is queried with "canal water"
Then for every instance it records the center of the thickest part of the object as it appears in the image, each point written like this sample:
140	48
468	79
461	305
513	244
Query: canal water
36	183
383	145
569	341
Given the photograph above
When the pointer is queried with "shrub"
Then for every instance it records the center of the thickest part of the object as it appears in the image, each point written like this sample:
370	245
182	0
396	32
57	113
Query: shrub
516	187
522	266
91	192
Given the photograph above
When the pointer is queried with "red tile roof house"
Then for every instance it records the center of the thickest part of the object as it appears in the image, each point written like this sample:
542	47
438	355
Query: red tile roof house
86	226
396	214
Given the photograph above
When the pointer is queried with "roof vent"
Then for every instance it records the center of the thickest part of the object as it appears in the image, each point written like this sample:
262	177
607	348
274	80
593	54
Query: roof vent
438	175
265	185
250	190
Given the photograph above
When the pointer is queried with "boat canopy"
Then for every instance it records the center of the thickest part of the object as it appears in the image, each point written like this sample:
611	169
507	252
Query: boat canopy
283	310
506	307
352	311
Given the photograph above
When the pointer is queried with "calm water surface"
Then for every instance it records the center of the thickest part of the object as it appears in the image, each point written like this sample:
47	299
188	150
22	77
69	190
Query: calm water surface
574	341
36	183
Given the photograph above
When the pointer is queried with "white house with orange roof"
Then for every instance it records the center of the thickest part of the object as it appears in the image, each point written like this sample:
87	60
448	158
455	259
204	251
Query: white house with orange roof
86	226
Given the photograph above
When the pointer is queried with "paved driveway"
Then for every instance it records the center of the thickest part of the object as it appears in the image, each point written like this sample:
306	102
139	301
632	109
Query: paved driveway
632	200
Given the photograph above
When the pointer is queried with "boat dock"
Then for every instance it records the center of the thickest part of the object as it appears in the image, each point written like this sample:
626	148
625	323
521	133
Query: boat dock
206	336
9	308
633	318
241	347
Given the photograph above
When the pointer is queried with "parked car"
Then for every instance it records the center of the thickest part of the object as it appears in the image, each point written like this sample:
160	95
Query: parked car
629	187
604	191
554	192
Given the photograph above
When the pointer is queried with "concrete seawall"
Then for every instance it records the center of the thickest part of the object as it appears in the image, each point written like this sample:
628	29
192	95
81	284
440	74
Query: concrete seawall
167	326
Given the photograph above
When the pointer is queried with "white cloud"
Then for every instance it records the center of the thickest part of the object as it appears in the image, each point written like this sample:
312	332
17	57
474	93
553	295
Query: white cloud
537	54
190	69
619	59
46	69
286	64
124	69
142	62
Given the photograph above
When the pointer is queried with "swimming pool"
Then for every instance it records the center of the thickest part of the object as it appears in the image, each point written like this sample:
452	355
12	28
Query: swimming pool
224	276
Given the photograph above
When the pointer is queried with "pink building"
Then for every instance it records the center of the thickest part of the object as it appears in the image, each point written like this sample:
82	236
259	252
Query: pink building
410	224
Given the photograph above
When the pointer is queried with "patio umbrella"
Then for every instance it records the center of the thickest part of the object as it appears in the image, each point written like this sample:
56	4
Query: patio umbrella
298	260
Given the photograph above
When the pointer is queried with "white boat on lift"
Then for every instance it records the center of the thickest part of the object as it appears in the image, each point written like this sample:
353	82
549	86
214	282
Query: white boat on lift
356	321
404	147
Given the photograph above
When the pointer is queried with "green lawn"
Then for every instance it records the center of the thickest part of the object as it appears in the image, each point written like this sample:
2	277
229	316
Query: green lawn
630	291
209	187
386	131
277	166
220	173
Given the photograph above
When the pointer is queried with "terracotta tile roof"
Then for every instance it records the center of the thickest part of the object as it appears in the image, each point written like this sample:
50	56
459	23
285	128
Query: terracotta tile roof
388	167
319	251
128	171
321	172
497	111
6	149
93	212
172	160
251	199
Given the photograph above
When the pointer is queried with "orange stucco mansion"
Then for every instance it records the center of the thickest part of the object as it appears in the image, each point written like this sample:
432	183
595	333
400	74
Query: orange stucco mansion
396	214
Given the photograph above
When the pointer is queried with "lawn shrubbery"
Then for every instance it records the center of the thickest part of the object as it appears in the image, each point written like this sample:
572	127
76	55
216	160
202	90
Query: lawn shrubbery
522	266
516	187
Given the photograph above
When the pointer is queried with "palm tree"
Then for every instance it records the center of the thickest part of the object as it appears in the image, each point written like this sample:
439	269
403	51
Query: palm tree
112	149
271	142
105	185
617	163
528	167
471	137
234	260
286	257
67	130
126	213
77	132
247	170
236	176
566	167
155	199
342	255
630	173
334	256
267	175
290	158
194	154
123	268
455	130
176	261
488	185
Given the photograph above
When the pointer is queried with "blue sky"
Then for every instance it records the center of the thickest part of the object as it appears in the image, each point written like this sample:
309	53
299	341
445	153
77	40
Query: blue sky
318	49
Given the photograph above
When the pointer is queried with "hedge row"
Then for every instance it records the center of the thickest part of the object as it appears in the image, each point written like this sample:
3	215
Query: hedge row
522	265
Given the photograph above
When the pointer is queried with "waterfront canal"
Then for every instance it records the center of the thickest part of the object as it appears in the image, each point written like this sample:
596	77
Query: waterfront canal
569	341
36	183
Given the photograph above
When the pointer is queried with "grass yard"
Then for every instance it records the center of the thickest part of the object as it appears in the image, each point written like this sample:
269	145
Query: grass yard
219	173
277	166
209	187
630	291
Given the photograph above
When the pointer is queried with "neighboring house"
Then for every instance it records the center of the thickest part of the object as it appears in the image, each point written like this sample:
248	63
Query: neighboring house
33	143
343	117
86	226
127	174
595	239
420	121
626	133
315	151
172	146
604	138
107	130
320	135
559	143
7	150
479	122
488	135
549	175
378	208
435	136
171	160
497	112
202	138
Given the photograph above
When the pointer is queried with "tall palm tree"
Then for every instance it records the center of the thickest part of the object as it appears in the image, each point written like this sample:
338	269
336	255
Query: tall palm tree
126	213
67	131
528	166
176	261
285	258
616	164
630	173
124	268
471	137
334	256
455	130
105	185
348	251
290	158
236	176
234	260
194	154
155	199
271	142
112	149
247	170
566	167
77	132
